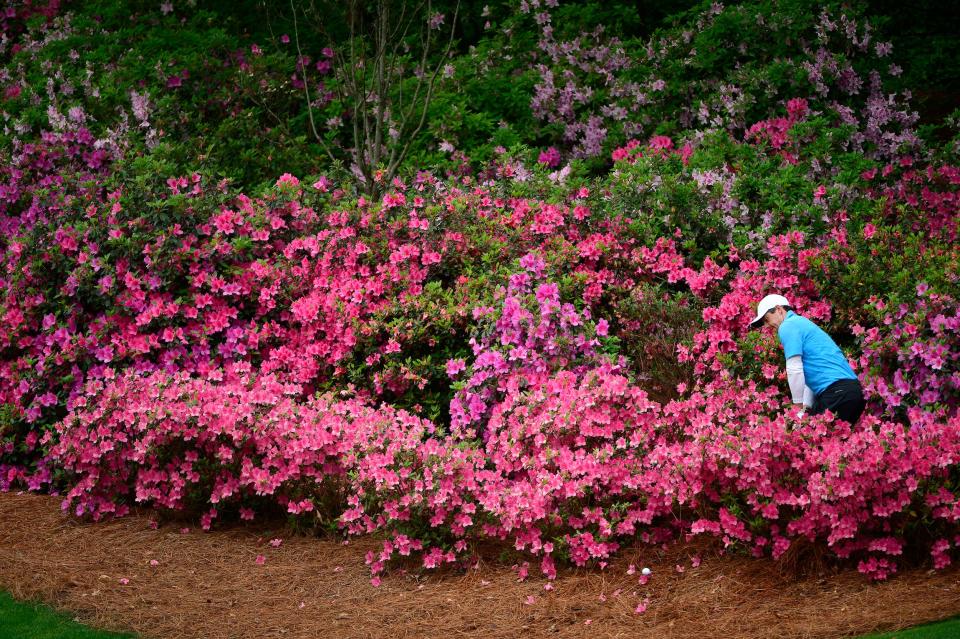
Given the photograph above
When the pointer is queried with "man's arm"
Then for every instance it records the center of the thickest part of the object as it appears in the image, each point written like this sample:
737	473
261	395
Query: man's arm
799	391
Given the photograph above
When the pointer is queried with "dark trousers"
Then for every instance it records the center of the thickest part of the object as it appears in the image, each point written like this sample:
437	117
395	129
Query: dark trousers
843	398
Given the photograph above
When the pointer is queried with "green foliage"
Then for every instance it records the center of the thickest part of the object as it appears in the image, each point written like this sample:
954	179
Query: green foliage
889	266
758	355
238	115
650	322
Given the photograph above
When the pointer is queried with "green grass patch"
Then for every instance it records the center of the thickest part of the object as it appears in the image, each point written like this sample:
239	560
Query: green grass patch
948	629
30	620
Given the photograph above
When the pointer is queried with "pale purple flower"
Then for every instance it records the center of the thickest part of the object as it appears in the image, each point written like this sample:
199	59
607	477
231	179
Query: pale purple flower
141	107
56	119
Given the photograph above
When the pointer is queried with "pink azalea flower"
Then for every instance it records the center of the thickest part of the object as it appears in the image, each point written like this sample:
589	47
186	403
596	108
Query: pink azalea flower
603	328
288	180
455	366
550	158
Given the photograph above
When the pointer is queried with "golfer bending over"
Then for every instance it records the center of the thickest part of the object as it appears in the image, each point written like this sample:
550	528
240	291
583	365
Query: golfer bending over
818	373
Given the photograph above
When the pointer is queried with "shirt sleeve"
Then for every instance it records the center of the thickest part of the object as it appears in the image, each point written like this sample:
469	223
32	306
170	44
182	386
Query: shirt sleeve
791	339
808	396
795	379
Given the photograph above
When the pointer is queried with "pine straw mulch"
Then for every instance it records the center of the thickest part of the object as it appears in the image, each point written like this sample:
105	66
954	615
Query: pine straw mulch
209	585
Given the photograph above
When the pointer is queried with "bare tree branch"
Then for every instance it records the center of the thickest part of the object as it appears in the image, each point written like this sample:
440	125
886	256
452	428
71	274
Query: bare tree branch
398	158
370	77
306	87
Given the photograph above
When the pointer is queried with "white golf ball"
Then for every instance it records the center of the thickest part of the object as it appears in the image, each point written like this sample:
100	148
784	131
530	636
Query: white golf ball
645	571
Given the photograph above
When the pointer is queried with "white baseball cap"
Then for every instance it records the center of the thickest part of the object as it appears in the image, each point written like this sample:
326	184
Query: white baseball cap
766	304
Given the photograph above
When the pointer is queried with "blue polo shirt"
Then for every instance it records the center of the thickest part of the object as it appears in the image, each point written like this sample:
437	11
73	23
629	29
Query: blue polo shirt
823	361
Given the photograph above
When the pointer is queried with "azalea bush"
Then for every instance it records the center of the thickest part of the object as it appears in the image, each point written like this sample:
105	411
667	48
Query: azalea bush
521	345
236	443
569	469
910	358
